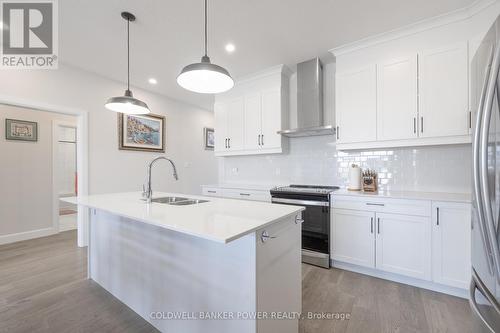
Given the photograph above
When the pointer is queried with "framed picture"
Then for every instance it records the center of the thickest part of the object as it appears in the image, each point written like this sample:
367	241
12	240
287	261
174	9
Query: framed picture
209	135
141	132
21	130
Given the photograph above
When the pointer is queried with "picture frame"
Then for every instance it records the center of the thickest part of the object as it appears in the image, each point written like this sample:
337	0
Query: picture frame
209	138
21	130
141	132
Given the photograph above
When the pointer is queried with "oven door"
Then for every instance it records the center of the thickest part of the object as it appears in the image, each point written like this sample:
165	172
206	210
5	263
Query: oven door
315	229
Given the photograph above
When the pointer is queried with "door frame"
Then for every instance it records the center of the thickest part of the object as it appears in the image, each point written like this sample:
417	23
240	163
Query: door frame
81	152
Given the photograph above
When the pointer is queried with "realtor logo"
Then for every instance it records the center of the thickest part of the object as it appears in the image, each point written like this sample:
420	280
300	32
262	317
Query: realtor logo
29	36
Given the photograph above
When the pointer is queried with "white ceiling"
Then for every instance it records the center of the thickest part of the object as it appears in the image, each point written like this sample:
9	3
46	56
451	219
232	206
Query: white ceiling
169	34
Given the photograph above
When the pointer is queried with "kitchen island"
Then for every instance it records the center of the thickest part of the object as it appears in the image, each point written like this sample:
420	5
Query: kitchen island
221	265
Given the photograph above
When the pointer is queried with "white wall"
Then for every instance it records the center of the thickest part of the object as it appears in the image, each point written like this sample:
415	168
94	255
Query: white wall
112	170
26	174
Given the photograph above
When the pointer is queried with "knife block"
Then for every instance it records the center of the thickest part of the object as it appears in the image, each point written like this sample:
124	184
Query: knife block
370	183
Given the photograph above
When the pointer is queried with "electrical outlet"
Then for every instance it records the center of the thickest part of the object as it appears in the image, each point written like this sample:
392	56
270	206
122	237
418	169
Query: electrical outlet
234	171
277	171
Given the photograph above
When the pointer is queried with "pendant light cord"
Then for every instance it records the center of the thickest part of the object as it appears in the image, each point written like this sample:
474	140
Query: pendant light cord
128	54
205	28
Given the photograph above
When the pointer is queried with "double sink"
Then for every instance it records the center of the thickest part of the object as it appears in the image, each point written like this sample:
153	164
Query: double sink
178	201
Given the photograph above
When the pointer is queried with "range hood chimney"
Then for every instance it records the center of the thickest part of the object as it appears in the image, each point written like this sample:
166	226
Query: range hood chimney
309	101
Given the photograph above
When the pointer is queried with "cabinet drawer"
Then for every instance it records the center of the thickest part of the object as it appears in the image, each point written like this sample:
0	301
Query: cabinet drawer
212	191
247	194
383	205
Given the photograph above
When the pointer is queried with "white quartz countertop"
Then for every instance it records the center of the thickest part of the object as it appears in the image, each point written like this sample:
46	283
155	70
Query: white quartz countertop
221	220
412	195
255	187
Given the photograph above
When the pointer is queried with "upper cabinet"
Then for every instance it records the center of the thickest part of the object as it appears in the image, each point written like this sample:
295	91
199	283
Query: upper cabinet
444	91
248	117
356	105
397	99
418	99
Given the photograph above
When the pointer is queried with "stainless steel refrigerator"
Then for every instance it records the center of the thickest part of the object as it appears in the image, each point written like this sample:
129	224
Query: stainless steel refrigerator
484	295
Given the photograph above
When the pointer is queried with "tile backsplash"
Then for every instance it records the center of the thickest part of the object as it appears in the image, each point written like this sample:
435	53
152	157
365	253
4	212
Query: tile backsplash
315	160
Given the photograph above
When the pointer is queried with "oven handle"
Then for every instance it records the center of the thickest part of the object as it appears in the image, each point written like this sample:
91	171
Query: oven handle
300	202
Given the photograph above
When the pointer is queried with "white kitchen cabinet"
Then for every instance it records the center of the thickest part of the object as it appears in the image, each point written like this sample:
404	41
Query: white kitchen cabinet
229	123
451	243
443	91
249	116
397	99
403	245
237	193
356	101
271	120
353	239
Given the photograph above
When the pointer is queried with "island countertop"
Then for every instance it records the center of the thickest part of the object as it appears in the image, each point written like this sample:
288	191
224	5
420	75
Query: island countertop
221	220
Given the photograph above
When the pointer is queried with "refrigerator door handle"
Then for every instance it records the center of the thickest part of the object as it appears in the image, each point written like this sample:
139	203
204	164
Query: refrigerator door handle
483	159
476	142
476	283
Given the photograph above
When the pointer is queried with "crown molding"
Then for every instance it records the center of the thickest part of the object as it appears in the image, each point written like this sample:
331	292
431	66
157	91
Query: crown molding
414	28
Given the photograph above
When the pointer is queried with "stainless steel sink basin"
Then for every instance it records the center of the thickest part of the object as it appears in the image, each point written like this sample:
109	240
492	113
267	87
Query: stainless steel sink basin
169	200
178	201
188	202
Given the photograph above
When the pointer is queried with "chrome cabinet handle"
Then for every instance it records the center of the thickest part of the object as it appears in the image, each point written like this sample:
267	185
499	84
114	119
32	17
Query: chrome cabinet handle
262	139
210	191
338	132
299	220
483	159
470	119
258	140
378	225
422	124
375	204
437	216
229	143
245	194
264	237
371	225
414	125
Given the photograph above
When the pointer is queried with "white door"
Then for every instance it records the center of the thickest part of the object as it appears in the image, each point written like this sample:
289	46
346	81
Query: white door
271	119
220	111
451	244
356	110
253	121
236	124
397	99
353	237
443	88
404	245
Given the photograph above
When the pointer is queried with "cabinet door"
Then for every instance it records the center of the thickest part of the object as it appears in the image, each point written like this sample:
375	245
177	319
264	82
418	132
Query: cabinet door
397	99
253	121
443	87
451	246
271	119
404	245
352	237
236	124
357	105
220	111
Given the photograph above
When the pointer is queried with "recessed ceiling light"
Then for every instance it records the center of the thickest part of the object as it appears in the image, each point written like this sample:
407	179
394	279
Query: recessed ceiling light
152	80
230	48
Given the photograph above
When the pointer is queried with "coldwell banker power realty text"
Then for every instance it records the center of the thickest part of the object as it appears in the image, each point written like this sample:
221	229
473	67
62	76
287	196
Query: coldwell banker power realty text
29	34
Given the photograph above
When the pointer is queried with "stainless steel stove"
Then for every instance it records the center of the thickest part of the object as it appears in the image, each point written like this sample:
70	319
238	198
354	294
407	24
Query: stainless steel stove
316	226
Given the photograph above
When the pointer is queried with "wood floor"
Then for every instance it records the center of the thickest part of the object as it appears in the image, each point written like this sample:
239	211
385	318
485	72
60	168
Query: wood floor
43	288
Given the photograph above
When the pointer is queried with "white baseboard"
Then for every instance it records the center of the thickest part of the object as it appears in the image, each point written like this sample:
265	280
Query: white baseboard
463	293
12	238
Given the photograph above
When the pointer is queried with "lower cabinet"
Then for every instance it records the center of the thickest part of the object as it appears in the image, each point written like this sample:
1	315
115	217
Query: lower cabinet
235	193
433	246
403	245
451	244
353	237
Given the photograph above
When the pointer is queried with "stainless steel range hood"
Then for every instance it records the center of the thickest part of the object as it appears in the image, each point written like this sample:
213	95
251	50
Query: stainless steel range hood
309	101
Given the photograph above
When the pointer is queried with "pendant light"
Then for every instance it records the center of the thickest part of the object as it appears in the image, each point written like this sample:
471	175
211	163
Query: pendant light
127	103
205	77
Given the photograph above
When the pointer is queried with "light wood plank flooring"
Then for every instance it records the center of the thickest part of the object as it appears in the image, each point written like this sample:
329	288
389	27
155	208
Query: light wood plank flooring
43	288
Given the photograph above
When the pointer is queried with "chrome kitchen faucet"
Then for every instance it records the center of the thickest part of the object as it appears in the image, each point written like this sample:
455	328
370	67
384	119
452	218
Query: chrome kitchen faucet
147	191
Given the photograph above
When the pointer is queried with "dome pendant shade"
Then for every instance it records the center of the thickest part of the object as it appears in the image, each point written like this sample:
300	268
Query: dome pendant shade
205	78
127	104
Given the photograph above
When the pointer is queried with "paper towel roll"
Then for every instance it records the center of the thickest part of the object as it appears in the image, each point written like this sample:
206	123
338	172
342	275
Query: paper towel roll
354	178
